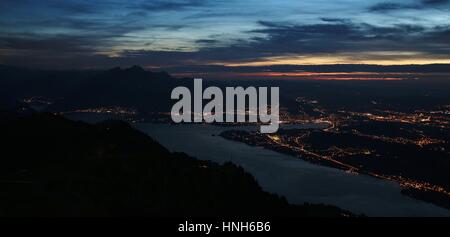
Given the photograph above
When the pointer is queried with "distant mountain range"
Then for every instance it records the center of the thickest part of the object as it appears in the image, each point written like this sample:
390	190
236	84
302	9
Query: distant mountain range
428	68
132	87
147	91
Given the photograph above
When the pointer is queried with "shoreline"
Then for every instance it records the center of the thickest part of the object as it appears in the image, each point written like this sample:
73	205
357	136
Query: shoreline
408	186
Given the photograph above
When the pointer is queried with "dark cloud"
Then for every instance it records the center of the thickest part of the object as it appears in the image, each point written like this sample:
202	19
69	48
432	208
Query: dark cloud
338	20
206	41
343	35
381	7
61	44
275	39
423	4
84	40
74	7
173	5
433	2
67	7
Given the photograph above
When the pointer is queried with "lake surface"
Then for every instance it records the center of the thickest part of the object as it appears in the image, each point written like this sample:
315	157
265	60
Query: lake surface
293	178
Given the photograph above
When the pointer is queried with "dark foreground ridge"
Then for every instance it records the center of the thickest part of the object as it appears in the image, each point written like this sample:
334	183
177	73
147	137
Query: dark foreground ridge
51	166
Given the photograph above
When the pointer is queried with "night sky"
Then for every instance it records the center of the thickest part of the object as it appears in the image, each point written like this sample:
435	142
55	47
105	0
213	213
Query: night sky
100	34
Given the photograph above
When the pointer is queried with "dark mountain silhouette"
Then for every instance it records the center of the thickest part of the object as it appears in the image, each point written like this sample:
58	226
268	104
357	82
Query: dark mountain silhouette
17	83
148	91
132	87
429	68
51	166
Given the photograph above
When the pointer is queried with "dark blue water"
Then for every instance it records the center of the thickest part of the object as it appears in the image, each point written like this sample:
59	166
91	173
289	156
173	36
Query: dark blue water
297	180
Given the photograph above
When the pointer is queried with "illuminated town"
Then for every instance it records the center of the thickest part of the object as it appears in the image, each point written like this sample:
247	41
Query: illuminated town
352	141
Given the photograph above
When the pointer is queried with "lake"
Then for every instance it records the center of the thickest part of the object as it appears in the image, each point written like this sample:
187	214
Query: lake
297	180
